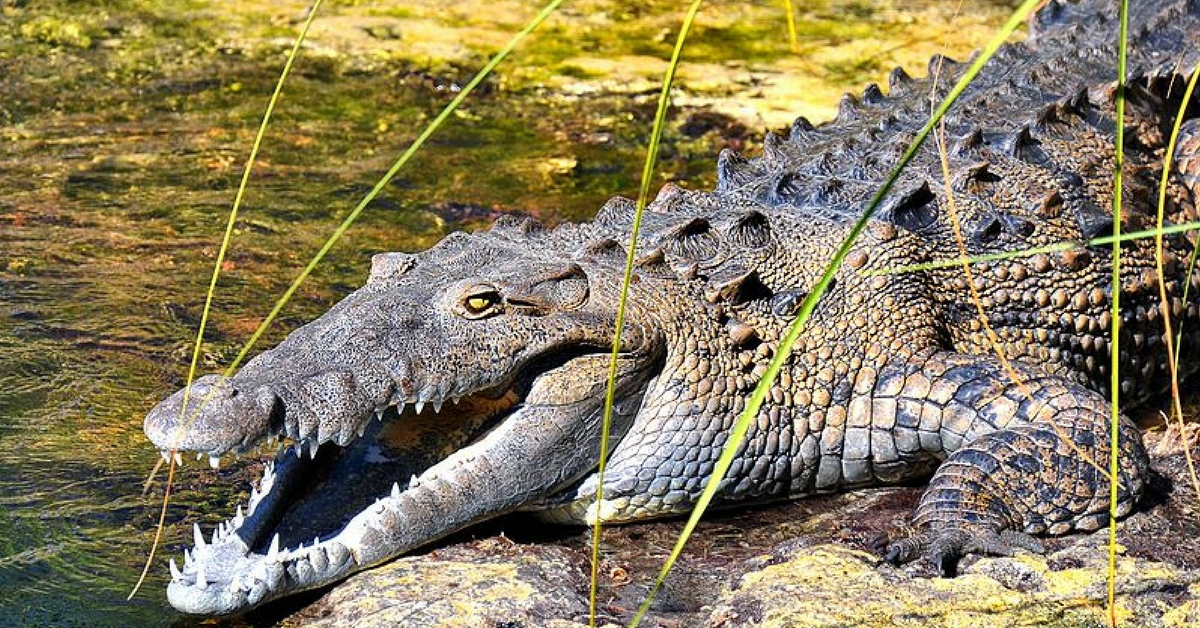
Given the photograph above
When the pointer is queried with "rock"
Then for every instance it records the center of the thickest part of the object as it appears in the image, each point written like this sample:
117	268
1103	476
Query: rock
486	584
829	585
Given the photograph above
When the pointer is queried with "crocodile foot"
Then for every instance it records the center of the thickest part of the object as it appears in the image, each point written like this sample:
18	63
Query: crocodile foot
947	546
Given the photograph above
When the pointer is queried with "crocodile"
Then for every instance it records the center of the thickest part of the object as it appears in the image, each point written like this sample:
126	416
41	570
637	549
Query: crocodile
468	380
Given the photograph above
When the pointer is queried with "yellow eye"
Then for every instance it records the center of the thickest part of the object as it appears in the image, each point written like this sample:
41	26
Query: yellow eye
480	304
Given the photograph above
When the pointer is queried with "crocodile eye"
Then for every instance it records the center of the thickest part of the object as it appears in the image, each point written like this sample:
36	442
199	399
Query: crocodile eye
480	303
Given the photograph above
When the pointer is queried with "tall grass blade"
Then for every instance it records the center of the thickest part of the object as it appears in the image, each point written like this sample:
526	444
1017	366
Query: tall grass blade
212	284
1057	247
428	132
793	41
1115	311
660	116
738	433
1174	345
992	338
158	529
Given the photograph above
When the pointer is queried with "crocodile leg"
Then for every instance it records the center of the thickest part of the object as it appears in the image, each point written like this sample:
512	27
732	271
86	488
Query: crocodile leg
1024	458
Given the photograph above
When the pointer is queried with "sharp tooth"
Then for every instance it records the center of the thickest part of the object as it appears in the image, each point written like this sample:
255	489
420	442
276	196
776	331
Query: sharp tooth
395	490
297	449
319	561
316	541
218	532
400	407
274	576
187	557
336	552
176	575
312	449
197	537
199	456
239	516
274	549
437	405
363	428
201	579
412	481
419	406
214	462
456	399
178	458
166	455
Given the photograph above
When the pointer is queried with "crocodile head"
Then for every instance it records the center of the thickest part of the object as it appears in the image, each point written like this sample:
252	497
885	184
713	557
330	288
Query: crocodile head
456	385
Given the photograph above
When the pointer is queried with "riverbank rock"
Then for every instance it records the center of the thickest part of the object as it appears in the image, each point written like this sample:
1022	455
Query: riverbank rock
489	583
830	585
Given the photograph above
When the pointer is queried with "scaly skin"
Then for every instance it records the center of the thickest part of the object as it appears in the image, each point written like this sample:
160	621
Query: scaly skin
895	378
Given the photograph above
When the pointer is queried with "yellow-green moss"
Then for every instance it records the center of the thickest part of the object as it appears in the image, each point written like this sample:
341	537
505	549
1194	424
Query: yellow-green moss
57	31
828	585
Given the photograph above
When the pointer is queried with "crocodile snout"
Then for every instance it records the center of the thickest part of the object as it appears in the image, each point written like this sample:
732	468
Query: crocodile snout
211	416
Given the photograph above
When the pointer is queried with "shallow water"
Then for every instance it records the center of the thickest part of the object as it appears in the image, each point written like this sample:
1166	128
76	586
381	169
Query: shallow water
122	131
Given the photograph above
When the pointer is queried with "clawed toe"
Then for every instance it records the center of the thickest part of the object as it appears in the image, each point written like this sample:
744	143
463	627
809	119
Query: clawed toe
945	548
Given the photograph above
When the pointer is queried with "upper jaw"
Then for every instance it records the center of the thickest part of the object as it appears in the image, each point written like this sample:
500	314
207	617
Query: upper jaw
218	415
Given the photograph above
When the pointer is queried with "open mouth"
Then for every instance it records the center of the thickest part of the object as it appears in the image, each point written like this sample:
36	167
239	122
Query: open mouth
293	517
417	472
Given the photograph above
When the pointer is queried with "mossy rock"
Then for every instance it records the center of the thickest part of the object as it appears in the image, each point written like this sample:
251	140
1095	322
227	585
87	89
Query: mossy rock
828	585
486	584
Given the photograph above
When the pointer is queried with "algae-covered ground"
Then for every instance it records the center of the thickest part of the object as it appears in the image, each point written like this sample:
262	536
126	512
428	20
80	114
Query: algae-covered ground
123	130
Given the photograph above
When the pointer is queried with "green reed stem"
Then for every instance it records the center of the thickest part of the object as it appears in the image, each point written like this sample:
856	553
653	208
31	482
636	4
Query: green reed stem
237	204
793	40
1057	247
1174	341
660	116
1115	311
212	283
428	132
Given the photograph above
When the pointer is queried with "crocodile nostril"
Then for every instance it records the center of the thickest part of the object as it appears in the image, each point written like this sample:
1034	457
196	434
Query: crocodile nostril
987	230
1017	225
